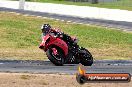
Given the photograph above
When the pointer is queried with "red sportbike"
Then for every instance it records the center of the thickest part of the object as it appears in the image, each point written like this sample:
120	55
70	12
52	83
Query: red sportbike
59	52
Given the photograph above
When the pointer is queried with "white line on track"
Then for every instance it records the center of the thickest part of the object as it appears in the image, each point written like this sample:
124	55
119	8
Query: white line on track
57	19
52	18
69	21
26	15
45	17
39	16
62	20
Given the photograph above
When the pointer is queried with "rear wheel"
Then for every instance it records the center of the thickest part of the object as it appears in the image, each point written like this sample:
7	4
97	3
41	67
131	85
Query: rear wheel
57	59
86	57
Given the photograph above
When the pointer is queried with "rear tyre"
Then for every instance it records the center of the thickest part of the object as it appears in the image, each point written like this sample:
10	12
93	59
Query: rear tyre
57	60
86	57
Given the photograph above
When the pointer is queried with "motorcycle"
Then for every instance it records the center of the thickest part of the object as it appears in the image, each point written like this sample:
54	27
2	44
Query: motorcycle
60	52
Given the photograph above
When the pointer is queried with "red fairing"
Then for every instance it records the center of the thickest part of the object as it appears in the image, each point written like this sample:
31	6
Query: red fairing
60	43
49	40
44	40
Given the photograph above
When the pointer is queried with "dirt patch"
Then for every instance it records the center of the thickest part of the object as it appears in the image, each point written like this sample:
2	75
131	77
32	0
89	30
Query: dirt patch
49	80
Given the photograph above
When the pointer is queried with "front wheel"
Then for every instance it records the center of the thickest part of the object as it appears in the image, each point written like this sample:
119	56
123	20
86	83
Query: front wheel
86	57
57	59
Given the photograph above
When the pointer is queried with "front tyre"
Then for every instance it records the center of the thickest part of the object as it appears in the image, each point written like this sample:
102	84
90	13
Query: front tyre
58	60
86	57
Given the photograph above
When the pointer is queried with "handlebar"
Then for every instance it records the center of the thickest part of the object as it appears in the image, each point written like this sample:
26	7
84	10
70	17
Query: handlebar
57	35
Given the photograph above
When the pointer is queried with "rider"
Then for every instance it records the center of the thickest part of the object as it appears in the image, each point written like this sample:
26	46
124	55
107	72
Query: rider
46	29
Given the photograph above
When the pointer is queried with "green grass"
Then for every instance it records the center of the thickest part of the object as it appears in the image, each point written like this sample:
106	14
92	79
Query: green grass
120	4
20	36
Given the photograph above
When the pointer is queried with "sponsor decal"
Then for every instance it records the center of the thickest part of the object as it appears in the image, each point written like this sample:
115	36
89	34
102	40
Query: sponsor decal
83	77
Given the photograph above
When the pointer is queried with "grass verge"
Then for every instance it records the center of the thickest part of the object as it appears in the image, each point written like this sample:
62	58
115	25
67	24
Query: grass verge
20	36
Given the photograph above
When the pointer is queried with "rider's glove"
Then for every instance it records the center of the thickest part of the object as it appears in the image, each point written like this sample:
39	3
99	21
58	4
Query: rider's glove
59	34
41	47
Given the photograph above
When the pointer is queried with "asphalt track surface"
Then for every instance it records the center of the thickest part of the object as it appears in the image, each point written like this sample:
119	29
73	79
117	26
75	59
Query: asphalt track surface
100	66
126	26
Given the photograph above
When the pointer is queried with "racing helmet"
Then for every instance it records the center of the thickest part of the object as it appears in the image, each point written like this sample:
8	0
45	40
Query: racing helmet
45	28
